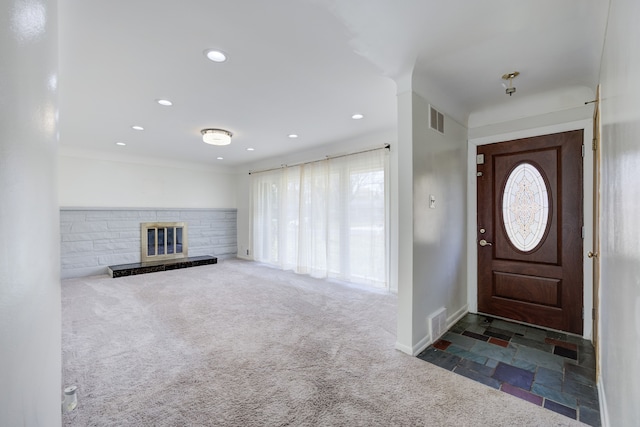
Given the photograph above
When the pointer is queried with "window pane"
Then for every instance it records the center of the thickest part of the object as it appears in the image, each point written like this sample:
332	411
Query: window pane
170	232
151	241
161	241
179	240
525	207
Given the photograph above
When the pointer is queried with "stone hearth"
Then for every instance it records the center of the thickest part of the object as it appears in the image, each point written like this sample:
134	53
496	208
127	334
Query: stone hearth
155	266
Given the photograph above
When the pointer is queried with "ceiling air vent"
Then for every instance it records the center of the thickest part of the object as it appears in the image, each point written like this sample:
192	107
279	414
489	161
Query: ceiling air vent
436	120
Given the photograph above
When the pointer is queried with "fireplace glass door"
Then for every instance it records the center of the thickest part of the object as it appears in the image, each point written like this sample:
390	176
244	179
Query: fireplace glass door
164	241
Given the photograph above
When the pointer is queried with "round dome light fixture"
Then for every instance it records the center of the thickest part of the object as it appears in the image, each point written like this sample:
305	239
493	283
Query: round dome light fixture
216	136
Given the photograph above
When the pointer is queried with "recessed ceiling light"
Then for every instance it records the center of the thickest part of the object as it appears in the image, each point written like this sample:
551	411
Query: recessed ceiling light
293	136
220	158
215	55
122	144
136	127
357	116
251	149
164	102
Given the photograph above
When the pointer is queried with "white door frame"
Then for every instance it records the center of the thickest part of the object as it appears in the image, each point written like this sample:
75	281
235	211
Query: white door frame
472	203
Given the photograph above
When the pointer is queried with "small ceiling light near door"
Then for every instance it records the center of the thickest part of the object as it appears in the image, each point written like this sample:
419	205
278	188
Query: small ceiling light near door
215	55
136	127
122	144
216	136
220	158
164	102
293	136
510	90
357	116
251	149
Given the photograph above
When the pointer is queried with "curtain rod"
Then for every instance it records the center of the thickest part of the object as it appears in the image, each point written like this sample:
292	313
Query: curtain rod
385	146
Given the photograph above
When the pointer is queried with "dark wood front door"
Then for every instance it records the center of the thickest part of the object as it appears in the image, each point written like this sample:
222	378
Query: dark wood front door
529	230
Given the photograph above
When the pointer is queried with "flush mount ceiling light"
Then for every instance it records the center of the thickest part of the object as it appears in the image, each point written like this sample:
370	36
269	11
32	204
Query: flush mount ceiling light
216	136
357	116
164	102
510	76
136	127
293	136
215	55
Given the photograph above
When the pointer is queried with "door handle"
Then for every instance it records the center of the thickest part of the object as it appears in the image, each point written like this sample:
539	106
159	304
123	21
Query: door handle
592	254
484	243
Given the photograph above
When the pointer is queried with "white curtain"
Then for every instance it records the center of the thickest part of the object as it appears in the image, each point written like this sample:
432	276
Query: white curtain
325	218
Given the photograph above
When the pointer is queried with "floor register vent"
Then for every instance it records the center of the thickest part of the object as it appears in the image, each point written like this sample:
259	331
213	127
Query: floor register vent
438	324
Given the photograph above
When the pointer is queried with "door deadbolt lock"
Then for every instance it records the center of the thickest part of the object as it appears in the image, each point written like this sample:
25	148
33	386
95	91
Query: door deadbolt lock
482	231
484	243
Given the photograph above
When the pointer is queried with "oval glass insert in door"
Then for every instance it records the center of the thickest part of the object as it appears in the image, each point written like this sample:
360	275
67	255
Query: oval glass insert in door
525	207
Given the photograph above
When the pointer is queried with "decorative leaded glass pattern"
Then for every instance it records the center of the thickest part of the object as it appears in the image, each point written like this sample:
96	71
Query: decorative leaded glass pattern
525	207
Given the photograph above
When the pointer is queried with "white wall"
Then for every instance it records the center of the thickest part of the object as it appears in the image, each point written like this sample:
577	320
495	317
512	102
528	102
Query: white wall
432	242
30	348
620	227
524	111
96	180
402	223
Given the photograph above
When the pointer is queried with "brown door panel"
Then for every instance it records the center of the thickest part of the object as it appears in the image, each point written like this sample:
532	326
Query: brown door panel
540	285
543	270
530	313
545	291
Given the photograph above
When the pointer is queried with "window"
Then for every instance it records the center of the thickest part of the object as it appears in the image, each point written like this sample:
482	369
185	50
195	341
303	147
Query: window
525	207
325	218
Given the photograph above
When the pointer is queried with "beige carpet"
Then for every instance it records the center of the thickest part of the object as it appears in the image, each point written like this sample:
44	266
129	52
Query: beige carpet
240	344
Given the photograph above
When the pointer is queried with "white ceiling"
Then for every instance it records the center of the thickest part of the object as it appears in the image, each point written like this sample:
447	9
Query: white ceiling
301	66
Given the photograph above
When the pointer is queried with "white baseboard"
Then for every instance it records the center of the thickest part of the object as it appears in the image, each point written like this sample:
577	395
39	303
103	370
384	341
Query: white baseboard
604	412
405	349
422	344
416	349
455	317
428	339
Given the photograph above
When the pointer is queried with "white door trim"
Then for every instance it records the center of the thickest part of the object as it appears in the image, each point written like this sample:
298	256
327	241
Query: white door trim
472	202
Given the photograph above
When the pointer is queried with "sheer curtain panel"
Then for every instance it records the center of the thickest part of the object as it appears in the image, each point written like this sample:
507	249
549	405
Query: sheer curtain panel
324	218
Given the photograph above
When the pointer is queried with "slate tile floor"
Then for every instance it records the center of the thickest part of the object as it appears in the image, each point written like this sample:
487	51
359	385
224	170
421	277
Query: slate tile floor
547	368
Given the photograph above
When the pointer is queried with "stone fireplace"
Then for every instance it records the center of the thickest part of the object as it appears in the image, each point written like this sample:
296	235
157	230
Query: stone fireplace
163	241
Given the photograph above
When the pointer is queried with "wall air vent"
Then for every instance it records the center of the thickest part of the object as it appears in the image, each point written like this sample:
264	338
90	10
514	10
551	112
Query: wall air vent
436	120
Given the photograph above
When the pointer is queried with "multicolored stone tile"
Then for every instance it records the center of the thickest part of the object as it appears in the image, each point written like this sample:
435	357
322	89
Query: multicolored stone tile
513	375
561	409
547	368
442	344
498	341
522	394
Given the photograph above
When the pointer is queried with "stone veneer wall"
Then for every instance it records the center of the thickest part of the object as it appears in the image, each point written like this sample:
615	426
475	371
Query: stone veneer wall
92	239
